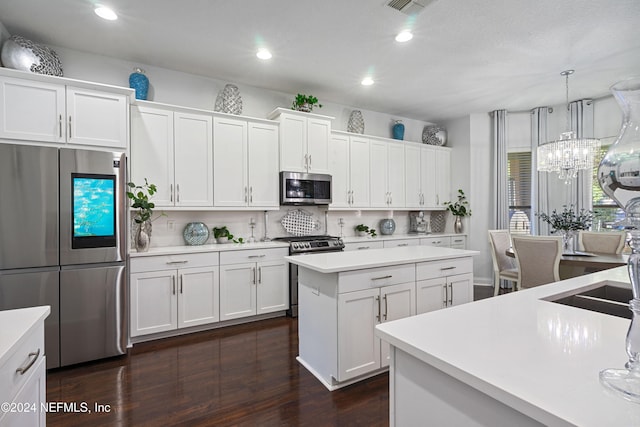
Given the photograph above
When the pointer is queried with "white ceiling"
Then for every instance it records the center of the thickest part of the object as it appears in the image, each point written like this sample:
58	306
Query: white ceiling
467	56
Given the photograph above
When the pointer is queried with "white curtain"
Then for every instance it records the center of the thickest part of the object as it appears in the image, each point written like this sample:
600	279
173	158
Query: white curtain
501	203
539	180
581	122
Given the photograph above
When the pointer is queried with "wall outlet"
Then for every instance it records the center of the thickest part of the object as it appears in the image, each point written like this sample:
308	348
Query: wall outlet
171	225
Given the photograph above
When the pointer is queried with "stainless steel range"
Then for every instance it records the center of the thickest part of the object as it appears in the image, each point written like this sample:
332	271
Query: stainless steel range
305	245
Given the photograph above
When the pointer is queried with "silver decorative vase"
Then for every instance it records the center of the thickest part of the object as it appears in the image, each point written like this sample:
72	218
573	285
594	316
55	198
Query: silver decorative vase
356	122
619	177
229	100
142	236
457	225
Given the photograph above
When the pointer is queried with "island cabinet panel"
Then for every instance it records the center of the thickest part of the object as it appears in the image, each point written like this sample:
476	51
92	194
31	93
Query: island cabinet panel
441	284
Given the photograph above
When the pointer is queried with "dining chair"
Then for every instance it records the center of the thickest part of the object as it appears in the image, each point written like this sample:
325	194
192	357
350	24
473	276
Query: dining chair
538	259
604	242
504	267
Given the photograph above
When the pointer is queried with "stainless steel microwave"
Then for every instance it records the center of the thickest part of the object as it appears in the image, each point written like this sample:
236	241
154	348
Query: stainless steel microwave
305	188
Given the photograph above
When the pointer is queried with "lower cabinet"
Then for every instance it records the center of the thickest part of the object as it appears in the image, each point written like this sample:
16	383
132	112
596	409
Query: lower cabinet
441	284
253	282
364	245
168	299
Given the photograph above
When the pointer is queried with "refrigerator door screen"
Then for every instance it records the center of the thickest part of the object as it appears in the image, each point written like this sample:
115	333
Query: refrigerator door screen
93	211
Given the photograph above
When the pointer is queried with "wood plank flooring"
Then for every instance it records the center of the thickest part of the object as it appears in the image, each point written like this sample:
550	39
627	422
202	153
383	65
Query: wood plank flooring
242	375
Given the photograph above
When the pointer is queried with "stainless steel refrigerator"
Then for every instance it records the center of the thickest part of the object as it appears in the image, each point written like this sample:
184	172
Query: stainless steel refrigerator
63	243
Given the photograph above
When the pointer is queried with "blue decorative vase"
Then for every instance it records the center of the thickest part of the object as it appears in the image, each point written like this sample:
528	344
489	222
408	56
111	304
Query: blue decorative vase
139	82
398	130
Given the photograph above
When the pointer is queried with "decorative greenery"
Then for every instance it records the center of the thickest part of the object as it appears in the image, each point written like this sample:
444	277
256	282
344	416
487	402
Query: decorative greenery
568	220
461	207
141	195
219	232
365	229
301	100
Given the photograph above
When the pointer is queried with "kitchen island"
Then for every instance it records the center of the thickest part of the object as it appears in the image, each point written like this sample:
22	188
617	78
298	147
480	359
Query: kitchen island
342	296
516	359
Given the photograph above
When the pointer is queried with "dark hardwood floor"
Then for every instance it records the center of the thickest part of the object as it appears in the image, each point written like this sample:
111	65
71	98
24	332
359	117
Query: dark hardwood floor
243	375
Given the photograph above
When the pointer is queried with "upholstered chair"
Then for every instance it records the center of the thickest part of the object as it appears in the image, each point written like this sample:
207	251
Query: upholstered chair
504	267
609	242
538	259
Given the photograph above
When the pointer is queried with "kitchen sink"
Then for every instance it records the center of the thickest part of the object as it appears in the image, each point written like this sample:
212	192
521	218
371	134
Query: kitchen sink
607	297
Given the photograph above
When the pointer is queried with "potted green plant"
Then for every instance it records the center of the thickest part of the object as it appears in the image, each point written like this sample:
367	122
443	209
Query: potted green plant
363	230
459	209
141	195
305	103
223	235
568	222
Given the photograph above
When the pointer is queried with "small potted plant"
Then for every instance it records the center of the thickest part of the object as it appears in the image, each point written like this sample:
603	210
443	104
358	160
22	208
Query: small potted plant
223	235
459	209
305	103
568	222
363	230
141	195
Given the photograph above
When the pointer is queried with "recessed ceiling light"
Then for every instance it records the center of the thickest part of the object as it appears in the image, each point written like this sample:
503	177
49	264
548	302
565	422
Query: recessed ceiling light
404	36
367	81
263	54
105	13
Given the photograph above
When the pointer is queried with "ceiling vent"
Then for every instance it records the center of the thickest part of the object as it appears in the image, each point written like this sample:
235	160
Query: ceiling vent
409	7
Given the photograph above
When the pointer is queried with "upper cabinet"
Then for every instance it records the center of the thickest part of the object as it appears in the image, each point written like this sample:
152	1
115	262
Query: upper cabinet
245	163
349	169
386	172
304	141
427	173
42	111
174	151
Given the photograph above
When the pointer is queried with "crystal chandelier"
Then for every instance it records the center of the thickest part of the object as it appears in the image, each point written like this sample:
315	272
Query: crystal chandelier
569	154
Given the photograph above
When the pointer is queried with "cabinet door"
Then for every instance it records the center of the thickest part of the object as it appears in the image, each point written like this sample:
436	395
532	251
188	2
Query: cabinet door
32	111
152	151
359	172
378	167
443	242
32	393
363	245
396	175
293	137
193	157
272	287
339	170
237	290
153	302
430	295
413	189
318	134
230	162
398	302
198	291
443	176
358	346
458	242
460	289
96	118
263	165
428	178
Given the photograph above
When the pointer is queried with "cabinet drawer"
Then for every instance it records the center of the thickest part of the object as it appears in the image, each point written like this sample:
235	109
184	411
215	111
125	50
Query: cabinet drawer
13	381
459	242
253	255
436	241
449	267
166	262
401	242
376	277
359	246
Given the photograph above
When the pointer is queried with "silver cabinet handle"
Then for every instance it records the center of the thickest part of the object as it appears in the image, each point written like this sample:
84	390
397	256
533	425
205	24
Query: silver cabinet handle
363	247
173	285
390	198
382	277
253	269
386	307
177	193
378	301
246	197
171	193
181	290
450	294
446	295
403	244
69	127
33	357
446	268
251	194
60	125
177	262
257	256
259	275
310	167
306	161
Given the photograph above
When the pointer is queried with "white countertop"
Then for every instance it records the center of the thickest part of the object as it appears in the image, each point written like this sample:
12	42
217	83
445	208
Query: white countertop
333	262
539	357
15	325
215	247
381	237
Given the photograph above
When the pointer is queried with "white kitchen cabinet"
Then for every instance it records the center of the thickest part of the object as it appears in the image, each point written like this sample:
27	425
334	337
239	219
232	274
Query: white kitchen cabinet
48	112
441	241
401	243
387	174
427	174
458	242
165	299
245	163
304	141
253	282
441	284
363	245
174	151
443	176
349	168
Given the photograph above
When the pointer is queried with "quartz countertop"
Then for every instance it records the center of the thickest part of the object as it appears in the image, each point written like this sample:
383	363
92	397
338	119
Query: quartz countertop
15	325
215	247
536	356
333	262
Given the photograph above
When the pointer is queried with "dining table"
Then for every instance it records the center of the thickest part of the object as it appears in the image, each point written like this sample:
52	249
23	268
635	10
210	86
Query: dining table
577	263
